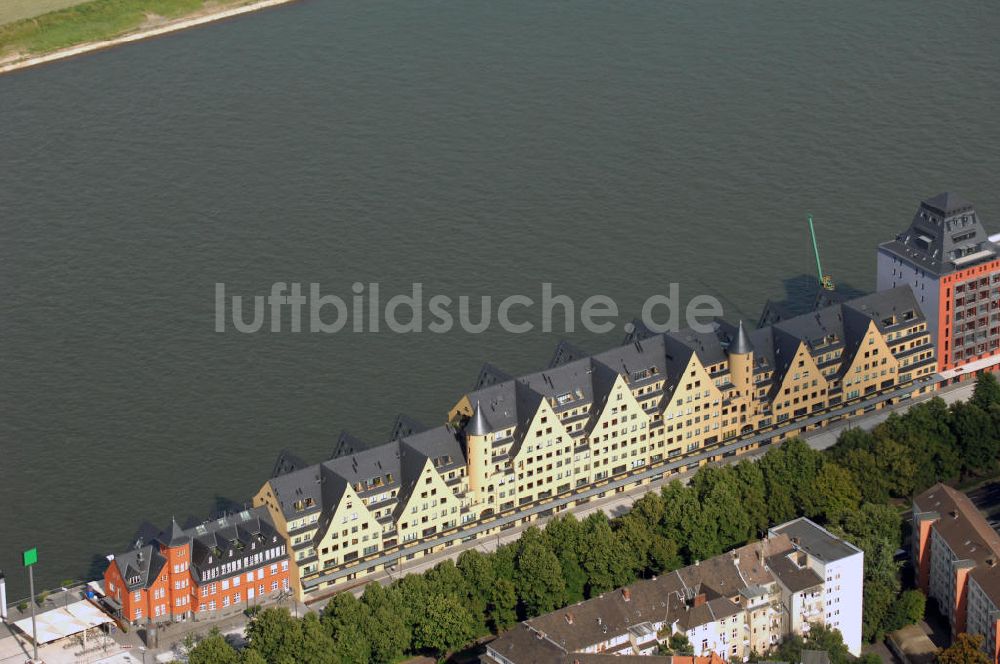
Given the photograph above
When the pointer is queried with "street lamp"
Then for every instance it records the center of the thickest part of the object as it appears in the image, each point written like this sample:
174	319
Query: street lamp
30	558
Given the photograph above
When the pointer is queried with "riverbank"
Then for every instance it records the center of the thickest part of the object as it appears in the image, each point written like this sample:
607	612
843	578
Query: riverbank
151	26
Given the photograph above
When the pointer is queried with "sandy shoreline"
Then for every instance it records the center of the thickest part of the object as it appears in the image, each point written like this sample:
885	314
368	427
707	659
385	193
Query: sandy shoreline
171	26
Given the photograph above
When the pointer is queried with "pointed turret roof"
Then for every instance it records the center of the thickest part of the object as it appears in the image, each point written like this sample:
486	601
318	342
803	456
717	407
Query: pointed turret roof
175	536
478	426
741	345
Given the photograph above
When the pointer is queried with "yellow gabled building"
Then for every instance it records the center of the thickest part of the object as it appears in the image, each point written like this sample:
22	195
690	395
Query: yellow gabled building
517	443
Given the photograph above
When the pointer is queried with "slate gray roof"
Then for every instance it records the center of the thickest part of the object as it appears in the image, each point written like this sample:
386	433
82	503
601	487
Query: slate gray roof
440	444
706	345
945	235
230	537
889	308
793	577
490	374
347	444
319	488
287	462
566	352
815	540
140	566
815	657
948	204
175	536
404	425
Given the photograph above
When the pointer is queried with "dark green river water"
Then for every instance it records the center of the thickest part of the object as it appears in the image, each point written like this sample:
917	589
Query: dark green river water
475	147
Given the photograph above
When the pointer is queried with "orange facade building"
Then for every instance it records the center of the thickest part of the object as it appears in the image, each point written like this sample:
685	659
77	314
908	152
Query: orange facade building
953	267
215	568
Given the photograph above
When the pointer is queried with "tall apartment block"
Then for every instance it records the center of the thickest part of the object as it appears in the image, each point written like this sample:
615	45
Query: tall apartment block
953	267
732	606
216	568
515	448
955	554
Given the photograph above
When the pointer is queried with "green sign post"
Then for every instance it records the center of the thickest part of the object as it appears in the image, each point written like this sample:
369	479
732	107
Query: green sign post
30	558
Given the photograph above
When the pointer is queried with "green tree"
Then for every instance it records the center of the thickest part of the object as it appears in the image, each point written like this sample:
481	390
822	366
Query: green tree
502	605
446	579
445	624
388	635
477	571
908	609
213	649
926	431
753	490
637	537
537	574
663	555
723	503
830	641
974	431
251	656
650	508
685	521
348	622
986	392
875	529
275	634
606	560
574	577
897	467
789	474
316	646
834	493
679	644
965	649
564	536
820	638
409	593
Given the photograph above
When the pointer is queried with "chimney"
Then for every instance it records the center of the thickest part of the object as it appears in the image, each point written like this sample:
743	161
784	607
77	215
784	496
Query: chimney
699	599
626	594
953	514
569	618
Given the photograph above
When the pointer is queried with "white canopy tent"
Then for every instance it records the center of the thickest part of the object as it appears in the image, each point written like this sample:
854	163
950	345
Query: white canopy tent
64	621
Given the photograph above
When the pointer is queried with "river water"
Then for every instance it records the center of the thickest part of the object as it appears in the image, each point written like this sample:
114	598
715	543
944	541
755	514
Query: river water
475	147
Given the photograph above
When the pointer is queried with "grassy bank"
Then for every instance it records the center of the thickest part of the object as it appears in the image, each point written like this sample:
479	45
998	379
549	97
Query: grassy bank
15	10
93	21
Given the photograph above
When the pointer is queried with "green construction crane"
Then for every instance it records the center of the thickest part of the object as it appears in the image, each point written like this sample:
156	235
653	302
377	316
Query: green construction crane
825	280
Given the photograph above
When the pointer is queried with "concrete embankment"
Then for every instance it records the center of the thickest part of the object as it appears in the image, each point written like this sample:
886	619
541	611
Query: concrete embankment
165	28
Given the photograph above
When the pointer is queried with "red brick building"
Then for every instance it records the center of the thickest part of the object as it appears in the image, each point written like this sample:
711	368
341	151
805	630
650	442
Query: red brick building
953	267
215	568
